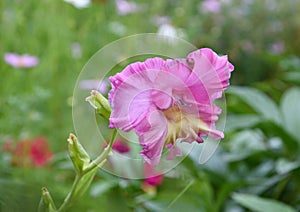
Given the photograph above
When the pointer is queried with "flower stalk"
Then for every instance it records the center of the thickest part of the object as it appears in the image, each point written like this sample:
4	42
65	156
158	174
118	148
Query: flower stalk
85	172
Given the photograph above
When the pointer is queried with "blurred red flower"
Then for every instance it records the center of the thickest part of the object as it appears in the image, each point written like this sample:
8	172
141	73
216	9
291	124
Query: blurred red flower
32	153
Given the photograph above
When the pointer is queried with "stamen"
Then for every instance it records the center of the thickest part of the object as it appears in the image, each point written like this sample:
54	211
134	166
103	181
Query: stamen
173	114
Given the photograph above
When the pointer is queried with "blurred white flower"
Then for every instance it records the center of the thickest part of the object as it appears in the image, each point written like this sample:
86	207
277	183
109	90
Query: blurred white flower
170	31
76	50
167	30
79	3
117	28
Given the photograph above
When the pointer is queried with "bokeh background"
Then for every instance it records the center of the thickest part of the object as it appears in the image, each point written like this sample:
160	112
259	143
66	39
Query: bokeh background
256	166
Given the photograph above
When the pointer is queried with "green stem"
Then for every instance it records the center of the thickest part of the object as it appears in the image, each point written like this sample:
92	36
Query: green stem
71	194
82	177
280	187
103	156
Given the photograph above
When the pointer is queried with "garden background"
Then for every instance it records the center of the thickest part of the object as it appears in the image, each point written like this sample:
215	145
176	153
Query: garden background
256	166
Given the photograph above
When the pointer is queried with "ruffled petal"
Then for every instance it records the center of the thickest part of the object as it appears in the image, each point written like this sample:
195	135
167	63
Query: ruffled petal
182	68
213	71
130	103
130	97
137	67
153	140
161	99
174	151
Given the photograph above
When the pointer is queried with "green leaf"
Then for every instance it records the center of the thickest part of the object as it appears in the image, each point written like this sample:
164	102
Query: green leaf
262	184
290	108
260	204
225	190
259	101
293	77
84	183
284	166
245	144
101	187
247	141
241	121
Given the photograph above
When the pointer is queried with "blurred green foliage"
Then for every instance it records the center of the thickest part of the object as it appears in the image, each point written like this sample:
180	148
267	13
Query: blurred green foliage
259	157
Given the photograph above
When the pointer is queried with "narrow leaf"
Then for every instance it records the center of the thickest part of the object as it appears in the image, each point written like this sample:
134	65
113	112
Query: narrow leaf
260	204
259	101
290	108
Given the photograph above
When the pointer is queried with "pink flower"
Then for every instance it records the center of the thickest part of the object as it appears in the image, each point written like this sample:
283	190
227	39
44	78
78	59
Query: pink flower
213	6
125	7
32	153
21	61
165	100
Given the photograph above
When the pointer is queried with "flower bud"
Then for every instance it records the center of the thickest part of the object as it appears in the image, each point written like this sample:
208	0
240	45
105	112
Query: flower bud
78	155
46	203
100	103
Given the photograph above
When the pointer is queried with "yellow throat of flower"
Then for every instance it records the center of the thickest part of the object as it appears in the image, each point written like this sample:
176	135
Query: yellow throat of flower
182	125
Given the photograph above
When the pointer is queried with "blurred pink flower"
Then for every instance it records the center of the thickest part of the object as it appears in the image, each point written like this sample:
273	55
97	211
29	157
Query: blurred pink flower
21	61
99	85
152	179
32	153
125	7
163	100
121	147
278	47
213	6
161	20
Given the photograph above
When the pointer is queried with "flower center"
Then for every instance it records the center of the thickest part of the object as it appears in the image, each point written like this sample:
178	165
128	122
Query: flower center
174	117
173	114
183	125
21	62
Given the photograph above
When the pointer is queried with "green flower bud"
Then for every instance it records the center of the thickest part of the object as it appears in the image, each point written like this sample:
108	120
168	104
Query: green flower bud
78	155
100	103
46	203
